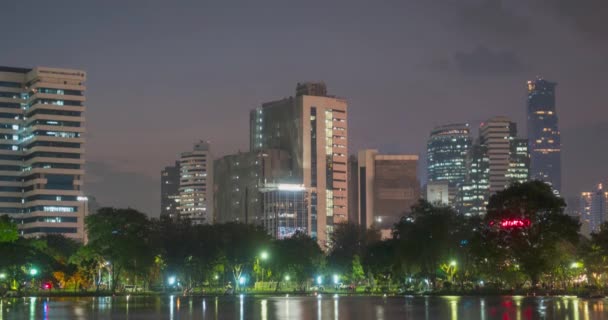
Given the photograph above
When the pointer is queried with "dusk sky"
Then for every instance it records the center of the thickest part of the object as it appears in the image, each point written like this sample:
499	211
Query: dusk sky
164	74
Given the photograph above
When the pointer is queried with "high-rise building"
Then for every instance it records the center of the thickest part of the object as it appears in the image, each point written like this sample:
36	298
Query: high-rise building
593	207
447	149
169	191
496	161
543	133
313	131
473	195
196	185
41	150
438	192
508	156
388	187
238	179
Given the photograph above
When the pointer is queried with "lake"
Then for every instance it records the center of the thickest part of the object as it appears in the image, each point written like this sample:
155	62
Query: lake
326	306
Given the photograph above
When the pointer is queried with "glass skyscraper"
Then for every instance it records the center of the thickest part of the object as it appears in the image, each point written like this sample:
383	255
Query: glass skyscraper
543	133
447	150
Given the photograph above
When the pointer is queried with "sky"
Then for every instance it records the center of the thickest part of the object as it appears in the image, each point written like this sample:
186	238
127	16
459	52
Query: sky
164	74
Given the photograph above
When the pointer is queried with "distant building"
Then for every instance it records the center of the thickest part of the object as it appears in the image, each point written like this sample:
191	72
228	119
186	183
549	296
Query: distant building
447	149
388	187
437	192
496	161
353	189
312	128
42	148
593	208
238	179
169	191
285	209
473	195
543	133
196	185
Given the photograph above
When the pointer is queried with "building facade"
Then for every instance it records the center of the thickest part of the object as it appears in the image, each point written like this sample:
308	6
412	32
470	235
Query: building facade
284	209
593	208
169	191
196	185
313	130
238	179
388	187
42	150
447	149
543	133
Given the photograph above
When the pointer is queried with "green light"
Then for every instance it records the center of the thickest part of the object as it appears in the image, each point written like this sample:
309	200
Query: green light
287	278
264	255
33	271
453	263
2	275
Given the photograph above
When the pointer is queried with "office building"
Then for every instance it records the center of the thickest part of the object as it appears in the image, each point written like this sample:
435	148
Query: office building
284	209
438	192
473	195
312	128
506	153
169	191
353	189
388	187
196	185
593	208
42	150
543	133
447	149
238	179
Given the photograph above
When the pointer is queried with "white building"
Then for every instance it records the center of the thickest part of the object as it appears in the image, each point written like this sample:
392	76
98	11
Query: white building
196	185
42	150
593	208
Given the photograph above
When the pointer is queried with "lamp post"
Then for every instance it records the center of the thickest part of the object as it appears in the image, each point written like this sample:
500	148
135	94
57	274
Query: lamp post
263	257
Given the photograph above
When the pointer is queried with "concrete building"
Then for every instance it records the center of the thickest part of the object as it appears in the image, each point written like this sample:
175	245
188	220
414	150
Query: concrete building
543	133
388	187
169	191
353	189
438	192
42	150
313	130
447	150
474	194
196	185
593	208
238	179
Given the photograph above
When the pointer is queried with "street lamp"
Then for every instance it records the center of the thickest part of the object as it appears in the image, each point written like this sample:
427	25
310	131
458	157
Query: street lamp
2	275
319	280
264	255
171	280
287	278
453	263
336	279
33	272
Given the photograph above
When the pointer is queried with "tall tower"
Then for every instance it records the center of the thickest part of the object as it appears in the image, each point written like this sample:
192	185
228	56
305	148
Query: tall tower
196	185
41	150
593	207
494	134
543	133
312	128
447	150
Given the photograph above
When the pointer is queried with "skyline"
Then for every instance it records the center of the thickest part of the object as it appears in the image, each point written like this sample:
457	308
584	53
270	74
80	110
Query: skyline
400	71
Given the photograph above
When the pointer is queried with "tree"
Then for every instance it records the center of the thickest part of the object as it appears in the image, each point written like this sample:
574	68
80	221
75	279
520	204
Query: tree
121	237
8	230
298	257
347	241
524	226
429	237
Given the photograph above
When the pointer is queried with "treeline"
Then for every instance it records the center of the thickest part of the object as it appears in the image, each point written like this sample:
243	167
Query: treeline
524	241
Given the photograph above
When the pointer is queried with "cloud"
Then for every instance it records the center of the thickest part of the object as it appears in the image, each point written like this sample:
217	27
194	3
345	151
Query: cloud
112	186
493	17
484	61
587	16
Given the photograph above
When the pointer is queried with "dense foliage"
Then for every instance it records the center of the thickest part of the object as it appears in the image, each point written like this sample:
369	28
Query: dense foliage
524	241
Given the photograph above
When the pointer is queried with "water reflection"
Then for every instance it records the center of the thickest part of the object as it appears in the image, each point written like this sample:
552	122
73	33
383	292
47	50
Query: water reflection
307	307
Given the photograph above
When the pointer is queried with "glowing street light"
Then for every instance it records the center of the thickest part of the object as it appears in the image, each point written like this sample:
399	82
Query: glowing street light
287	278
33	272
242	280
216	277
453	263
576	265
2	275
336	279
319	280
264	255
171	280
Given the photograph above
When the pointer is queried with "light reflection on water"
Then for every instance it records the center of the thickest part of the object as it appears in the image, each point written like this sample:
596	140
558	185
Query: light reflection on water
306	307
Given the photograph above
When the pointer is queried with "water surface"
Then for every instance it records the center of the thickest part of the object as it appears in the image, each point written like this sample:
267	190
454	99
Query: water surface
325	306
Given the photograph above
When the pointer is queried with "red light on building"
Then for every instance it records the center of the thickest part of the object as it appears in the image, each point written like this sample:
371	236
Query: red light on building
515	223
